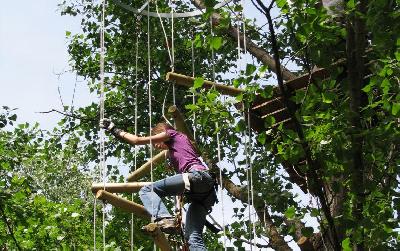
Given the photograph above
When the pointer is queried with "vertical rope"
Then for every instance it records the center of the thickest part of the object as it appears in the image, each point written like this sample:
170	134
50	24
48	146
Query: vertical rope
193	94
150	112
173	49
94	222
221	192
248	171
136	113
249	127
218	140
149	96
212	53
102	133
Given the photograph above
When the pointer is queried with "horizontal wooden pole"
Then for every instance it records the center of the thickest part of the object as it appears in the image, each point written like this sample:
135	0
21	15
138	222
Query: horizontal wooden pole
130	187
188	82
145	169
124	204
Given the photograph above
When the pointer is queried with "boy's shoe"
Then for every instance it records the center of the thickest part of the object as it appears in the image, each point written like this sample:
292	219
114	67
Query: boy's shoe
169	226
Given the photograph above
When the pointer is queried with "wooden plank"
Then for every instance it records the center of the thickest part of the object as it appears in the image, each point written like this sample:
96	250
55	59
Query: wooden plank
279	115
145	169
276	103
119	187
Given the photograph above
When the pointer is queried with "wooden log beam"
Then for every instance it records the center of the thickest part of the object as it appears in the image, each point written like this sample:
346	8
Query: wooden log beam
131	187
144	169
124	204
188	82
159	237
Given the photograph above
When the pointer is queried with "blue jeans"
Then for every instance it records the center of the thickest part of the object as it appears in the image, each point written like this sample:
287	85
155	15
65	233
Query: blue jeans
201	196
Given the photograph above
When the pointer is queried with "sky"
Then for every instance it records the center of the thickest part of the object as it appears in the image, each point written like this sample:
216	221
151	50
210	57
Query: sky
33	51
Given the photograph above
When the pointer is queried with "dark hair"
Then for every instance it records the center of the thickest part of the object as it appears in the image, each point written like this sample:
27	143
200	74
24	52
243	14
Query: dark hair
160	127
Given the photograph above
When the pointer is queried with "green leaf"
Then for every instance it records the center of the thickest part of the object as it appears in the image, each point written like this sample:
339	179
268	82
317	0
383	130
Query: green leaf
198	82
368	87
385	85
307	231
290	213
346	244
314	212
262	137
281	3
397	55
216	42
395	108
13	117
191	107
250	69
327	97
67	33
267	91
351	4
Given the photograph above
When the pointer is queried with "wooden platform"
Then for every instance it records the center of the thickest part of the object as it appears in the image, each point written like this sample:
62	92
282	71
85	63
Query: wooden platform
261	108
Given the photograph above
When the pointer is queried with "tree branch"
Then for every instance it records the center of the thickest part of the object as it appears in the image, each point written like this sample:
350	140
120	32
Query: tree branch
259	53
314	182
3	216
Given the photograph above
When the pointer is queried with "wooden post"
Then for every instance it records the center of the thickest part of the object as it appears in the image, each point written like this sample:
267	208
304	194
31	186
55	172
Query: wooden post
159	237
180	122
119	187
143	170
188	81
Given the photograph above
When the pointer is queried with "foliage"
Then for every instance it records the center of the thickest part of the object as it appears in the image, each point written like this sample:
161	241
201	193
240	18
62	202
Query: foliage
323	145
37	211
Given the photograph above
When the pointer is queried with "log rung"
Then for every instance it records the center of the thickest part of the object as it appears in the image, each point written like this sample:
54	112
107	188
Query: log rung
130	187
188	82
145	168
124	204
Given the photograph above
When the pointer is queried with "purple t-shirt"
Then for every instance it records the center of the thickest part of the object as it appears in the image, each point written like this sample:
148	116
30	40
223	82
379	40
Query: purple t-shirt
182	155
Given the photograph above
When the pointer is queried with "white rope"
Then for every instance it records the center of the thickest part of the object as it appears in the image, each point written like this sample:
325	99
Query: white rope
172	38
212	53
173	50
136	115
249	128
220	182
193	94
218	141
150	108
165	34
150	113
102	165
94	222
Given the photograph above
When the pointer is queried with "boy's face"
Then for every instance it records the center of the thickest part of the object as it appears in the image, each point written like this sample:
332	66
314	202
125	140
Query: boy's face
161	146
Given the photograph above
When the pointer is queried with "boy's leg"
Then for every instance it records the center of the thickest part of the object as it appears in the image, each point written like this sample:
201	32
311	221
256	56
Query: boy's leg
151	195
195	220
